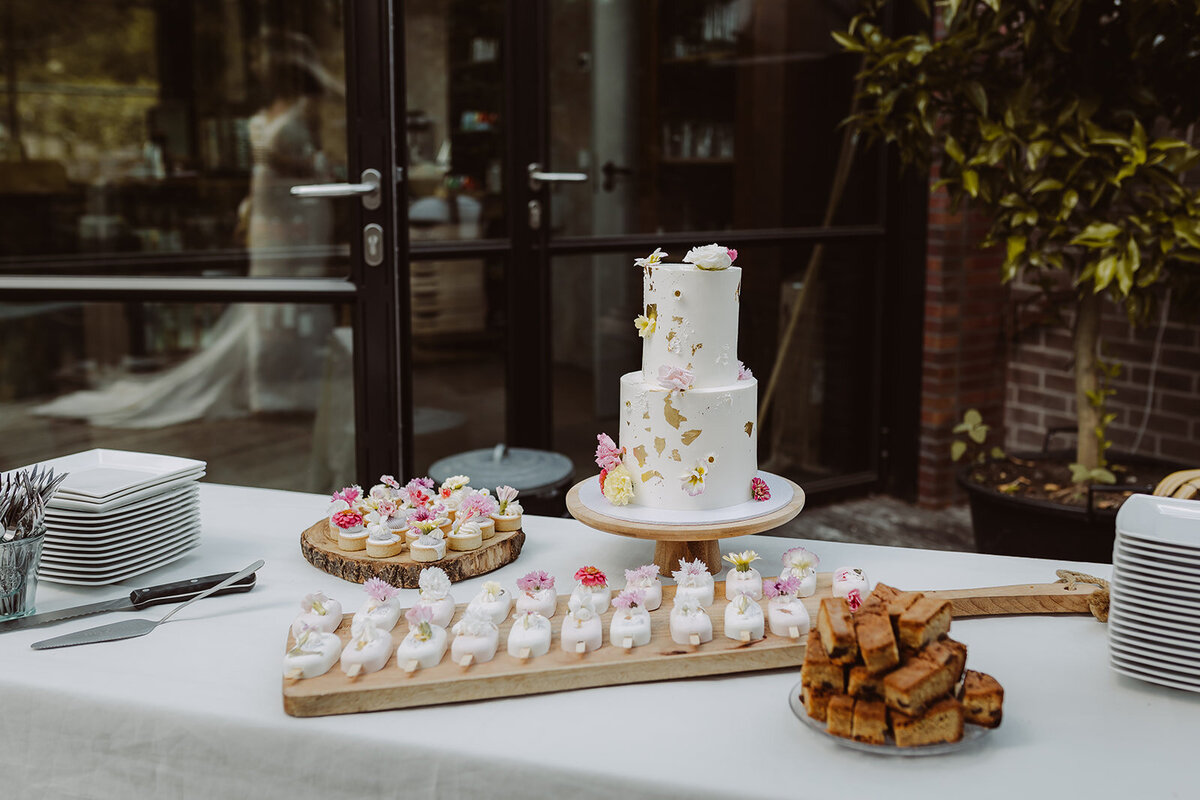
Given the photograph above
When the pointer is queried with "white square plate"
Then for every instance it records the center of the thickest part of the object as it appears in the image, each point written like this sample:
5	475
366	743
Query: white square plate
100	473
117	577
103	548
78	520
1145	637
1142	672
1154	660
119	502
1155	607
129	562
88	566
1132	544
1158	572
136	523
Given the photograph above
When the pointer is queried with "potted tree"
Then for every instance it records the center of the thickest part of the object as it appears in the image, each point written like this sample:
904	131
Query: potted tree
1061	120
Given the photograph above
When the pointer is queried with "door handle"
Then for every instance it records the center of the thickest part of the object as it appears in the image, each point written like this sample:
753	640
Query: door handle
537	177
368	189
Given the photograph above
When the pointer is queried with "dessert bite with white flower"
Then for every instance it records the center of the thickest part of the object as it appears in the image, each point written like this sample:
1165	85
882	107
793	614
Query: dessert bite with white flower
592	588
382	541
803	564
852	584
425	643
507	516
319	612
744	619
435	594
529	636
535	593
476	637
420	522
630	624
368	650
645	579
581	631
743	578
690	623
429	546
465	535
493	601
451	492
786	614
314	652
694	582
382	605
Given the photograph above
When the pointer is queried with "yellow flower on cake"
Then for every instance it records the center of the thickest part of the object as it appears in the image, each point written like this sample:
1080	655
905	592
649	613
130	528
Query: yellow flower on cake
618	486
645	325
693	482
649	261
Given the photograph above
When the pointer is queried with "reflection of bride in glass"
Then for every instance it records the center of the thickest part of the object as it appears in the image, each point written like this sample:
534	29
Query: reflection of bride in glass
258	357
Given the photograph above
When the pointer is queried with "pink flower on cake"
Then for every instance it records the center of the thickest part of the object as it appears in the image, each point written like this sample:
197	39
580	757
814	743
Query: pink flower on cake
693	482
349	495
477	504
744	373
506	494
608	455
675	378
389	481
347	519
732	253
710	256
759	490
642	576
535	581
603	475
380	590
417	493
630	598
618	486
801	559
781	587
418	614
421	514
386	509
854	599
591	577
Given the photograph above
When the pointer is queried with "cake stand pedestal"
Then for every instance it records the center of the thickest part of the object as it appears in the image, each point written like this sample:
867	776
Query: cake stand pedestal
686	541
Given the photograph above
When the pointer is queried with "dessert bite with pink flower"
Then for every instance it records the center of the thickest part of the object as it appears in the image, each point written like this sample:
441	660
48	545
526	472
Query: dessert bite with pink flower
314	652
418	493
688	619
346	519
507	515
744	619
478	505
451	491
694	582
803	564
529	636
382	605
630	624
852	584
581	626
387	488
616	482
425	642
493	601
535	592
435	594
592	588
319	612
368	650
786	614
645	579
475	635
743	578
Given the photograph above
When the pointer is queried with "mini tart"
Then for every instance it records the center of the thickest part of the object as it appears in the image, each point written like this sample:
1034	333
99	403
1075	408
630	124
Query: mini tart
507	522
385	549
487	526
332	531
464	540
352	541
427	552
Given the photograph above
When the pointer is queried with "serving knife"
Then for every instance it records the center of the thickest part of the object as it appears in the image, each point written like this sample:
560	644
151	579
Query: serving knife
137	599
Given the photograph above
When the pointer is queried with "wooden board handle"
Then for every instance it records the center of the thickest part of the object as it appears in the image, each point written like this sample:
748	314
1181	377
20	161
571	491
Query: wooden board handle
1025	598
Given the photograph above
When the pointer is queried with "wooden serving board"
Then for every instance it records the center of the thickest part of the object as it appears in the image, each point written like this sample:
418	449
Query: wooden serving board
401	570
505	676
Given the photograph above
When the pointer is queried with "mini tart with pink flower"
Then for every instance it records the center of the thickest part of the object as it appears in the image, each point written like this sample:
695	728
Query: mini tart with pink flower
852	584
314	653
382	605
319	612
744	620
435	594
507	516
387	487
465	535
529	636
581	630
803	564
694	582
425	643
743	578
420	524
492	600
368	650
418	493
592	588
429	546
450	493
630	624
786	614
535	592
475	637
382	541
351	533
645	579
690	623
478	504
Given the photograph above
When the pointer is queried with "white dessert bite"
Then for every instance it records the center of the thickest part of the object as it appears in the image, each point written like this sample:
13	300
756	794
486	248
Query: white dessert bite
429	547
368	650
529	636
803	564
382	541
451	492
852	584
487	527
475	637
592	588
465	535
382	605
581	627
646	579
693	582
493	601
535	592
313	653
425	643
630	624
786	614
744	619
743	578
434	586
508	515
320	612
688	620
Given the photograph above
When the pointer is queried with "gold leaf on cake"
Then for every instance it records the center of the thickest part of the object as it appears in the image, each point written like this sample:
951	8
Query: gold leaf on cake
696	347
749	427
671	413
678	319
675	455
690	436
670	335
639	453
651	474
737	295
652	310
646	414
647	430
659	444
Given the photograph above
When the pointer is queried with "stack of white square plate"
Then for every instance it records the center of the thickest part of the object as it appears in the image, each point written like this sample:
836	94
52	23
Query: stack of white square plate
1154	617
119	514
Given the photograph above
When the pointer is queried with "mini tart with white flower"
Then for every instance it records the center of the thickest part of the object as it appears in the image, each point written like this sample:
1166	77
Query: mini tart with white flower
786	614
434	586
475	635
529	636
744	619
508	516
535	593
450	493
382	542
319	612
688	619
314	653
429	547
465	535
630	622
425	642
581	625
382	605
368	650
743	578
417	529
645	579
493	601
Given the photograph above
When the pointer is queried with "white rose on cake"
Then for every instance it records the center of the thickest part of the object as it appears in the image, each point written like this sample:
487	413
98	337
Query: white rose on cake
711	256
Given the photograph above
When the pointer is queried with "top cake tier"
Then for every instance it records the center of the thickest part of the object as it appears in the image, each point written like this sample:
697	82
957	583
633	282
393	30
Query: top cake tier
695	315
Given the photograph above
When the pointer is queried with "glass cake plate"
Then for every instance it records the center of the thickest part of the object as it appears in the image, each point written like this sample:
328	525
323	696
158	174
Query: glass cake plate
971	735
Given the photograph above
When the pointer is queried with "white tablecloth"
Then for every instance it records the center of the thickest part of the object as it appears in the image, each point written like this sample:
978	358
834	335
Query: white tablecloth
194	709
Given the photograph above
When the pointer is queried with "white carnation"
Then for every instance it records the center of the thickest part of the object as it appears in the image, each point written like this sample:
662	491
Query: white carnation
710	256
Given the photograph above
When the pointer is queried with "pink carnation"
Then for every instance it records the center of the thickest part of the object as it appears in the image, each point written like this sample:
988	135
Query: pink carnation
421	514
642	575
628	599
535	581
696	567
591	577
477	504
387	509
347	519
732	253
416	493
744	373
418	614
348	495
854	599
759	490
781	587
675	378
608	455
381	590
425	482
389	481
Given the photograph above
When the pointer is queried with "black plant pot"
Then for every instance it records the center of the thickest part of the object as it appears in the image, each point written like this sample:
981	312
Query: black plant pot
1008	525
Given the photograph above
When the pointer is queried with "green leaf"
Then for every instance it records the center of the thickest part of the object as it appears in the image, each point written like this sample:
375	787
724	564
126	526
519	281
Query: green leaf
1105	270
957	449
1046	184
1101	475
972	417
847	42
996	452
977	96
1098	234
1079	473
978	434
954	150
970	181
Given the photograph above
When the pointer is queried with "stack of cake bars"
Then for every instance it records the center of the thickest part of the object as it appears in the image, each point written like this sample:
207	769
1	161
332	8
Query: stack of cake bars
1154	617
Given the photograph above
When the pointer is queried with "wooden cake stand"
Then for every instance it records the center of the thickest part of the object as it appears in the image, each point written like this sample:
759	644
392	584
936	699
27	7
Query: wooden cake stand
673	542
356	566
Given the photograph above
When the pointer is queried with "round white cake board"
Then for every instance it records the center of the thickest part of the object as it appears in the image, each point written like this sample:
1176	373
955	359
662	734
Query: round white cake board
781	495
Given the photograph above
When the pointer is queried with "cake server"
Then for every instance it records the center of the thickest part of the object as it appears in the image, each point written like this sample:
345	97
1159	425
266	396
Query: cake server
132	628
136	600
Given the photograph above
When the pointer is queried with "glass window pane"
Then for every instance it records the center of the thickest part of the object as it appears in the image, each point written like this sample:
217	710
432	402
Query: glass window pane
163	138
711	115
456	130
263	393
822	419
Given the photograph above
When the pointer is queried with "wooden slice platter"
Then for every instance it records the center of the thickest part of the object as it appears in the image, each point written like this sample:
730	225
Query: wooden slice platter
401	570
661	659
